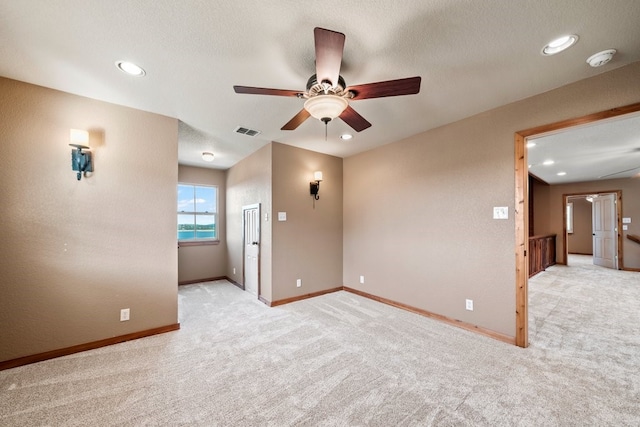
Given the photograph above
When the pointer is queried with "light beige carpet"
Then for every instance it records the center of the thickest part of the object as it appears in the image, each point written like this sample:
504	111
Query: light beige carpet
342	360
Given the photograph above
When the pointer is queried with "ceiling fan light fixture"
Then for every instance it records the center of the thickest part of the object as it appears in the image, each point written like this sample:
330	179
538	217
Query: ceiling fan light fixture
559	44
326	107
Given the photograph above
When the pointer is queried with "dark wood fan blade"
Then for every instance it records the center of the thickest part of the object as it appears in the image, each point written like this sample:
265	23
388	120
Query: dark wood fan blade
408	86
355	120
266	91
297	120
329	47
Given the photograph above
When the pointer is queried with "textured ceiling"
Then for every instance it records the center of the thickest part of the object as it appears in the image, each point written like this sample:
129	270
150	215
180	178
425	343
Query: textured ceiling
472	56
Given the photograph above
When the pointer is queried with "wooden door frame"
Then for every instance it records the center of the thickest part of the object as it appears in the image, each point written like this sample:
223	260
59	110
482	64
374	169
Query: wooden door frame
620	242
244	244
522	206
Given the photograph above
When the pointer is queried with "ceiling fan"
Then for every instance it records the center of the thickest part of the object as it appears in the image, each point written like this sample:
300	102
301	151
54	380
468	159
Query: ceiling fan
327	95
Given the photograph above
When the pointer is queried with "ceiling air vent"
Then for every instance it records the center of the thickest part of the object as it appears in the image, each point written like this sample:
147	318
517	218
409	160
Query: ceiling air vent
247	131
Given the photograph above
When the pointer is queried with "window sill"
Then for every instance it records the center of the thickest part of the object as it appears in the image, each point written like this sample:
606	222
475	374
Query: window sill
198	243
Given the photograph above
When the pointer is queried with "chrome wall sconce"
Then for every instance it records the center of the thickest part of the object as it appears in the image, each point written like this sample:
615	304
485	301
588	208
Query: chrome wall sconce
315	185
80	160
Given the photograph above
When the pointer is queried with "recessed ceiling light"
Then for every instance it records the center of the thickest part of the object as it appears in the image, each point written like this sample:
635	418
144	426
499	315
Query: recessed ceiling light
548	162
531	144
346	136
130	68
530	166
562	173
207	156
559	44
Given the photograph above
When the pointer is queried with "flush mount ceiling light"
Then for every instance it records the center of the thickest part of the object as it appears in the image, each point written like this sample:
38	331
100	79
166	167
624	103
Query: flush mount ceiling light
601	58
561	173
559	44
346	136
130	68
207	156
548	162
531	144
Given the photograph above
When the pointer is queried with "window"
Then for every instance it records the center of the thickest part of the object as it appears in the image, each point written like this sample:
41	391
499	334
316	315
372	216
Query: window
197	212
569	218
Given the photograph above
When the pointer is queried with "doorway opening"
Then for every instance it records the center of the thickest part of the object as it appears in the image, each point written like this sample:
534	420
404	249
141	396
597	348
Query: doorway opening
592	223
522	207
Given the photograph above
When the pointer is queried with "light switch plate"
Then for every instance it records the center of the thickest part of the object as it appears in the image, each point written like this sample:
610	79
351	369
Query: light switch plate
500	212
626	220
625	227
282	216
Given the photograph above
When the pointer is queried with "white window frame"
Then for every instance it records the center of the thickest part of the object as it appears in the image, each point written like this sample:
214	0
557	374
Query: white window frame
202	240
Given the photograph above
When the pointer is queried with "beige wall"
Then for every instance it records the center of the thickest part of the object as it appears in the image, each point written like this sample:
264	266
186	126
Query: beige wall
581	240
308	245
630	208
418	213
541	216
76	252
205	261
249	182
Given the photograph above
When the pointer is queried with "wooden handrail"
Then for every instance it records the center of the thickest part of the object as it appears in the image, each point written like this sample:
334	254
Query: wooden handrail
634	238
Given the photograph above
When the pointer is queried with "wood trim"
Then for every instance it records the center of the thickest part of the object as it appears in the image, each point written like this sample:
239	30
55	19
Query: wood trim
305	296
631	269
240	285
454	322
522	241
606	114
208	279
521	193
34	358
633	238
264	301
579	253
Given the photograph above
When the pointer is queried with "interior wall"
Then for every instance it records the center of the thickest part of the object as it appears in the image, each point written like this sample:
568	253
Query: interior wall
581	240
418	213
542	217
630	208
249	182
308	245
76	252
204	261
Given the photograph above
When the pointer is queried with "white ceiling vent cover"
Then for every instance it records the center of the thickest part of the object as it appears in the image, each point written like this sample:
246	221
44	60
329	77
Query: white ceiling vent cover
246	131
601	58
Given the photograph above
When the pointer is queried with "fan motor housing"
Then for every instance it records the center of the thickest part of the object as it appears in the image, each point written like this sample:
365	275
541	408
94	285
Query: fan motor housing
316	88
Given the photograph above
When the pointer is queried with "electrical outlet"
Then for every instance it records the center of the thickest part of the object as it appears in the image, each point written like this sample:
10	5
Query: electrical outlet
298	283
361	279
469	304
124	314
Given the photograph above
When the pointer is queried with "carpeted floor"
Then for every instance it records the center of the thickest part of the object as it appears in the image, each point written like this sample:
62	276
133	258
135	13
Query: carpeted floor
342	360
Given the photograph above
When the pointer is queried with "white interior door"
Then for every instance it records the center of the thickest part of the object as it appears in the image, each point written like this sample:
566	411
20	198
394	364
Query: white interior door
251	219
605	233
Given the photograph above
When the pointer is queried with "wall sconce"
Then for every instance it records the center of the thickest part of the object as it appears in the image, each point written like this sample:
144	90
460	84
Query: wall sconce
315	185
80	160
